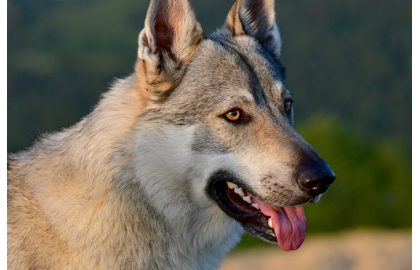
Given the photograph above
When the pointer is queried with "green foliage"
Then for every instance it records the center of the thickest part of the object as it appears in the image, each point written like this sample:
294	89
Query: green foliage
373	184
352	58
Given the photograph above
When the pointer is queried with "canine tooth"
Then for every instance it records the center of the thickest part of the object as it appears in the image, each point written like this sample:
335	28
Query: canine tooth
231	185
270	222
255	205
239	191
247	199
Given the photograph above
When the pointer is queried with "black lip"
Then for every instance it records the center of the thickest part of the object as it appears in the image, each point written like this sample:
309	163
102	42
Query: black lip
251	219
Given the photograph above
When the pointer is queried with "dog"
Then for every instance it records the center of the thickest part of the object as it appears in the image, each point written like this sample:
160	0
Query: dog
176	160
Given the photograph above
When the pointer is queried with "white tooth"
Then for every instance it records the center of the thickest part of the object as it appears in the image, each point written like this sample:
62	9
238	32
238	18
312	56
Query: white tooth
231	185
270	222
247	199
239	191
255	205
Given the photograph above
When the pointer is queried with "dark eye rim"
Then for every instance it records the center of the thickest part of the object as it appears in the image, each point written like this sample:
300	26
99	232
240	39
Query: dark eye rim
288	108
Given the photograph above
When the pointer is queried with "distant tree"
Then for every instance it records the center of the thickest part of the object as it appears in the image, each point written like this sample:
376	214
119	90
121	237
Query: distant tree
373	184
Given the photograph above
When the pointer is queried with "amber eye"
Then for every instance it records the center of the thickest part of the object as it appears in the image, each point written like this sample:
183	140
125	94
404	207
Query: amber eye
233	115
288	105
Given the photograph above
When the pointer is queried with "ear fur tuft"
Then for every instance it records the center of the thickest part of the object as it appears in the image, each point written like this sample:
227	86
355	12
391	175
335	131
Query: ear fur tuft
167	42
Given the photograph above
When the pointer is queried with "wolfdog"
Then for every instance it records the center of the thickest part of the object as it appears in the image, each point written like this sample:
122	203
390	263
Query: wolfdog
176	160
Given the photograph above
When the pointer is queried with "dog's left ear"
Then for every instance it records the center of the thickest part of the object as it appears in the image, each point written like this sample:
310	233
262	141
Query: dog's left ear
166	45
255	18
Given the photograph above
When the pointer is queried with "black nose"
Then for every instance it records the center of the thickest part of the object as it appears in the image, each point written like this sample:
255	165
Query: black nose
315	176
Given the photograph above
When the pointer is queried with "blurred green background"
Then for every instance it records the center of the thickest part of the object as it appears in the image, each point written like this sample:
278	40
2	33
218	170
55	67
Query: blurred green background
348	66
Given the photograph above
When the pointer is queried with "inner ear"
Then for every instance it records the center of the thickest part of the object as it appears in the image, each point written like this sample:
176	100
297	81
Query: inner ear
163	36
256	19
171	29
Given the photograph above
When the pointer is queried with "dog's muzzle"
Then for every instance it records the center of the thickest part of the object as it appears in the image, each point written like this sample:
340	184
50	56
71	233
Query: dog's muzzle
285	224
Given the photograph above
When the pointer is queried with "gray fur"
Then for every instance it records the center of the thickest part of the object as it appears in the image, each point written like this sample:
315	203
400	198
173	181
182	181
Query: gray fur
125	187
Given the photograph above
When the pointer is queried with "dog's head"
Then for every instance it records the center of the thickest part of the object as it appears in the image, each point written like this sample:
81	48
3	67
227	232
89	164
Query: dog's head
229	88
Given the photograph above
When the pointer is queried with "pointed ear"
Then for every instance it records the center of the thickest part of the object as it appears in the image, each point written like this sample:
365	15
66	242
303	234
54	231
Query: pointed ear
167	43
255	18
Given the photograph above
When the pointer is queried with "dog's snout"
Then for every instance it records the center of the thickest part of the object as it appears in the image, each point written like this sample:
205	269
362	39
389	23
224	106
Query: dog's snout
315	177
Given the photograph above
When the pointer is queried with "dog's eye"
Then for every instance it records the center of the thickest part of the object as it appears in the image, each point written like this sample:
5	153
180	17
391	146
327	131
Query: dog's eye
288	105
233	115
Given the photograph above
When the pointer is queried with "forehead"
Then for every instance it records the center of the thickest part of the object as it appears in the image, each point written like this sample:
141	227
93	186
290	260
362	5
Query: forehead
237	64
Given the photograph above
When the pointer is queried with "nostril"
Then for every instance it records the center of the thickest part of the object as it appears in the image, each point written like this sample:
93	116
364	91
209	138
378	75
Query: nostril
315	186
316	180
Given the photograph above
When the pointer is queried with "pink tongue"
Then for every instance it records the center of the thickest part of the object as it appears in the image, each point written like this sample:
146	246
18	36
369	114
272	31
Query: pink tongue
289	224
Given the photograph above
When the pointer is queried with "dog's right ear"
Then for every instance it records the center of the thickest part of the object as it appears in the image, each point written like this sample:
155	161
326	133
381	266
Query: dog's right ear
166	45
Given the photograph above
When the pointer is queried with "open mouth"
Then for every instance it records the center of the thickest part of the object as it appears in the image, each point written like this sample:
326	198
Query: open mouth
284	225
